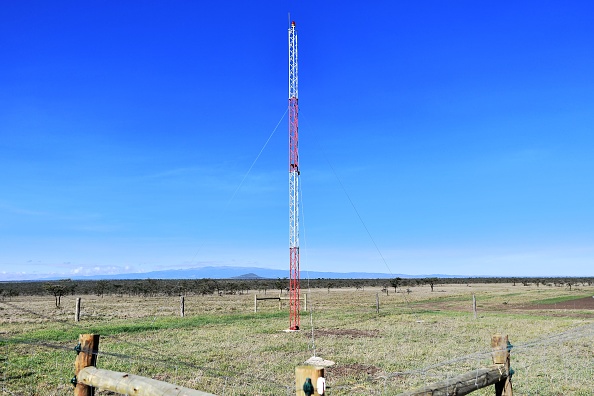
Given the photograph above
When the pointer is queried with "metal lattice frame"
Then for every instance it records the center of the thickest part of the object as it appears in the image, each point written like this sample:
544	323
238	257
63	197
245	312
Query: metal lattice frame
294	287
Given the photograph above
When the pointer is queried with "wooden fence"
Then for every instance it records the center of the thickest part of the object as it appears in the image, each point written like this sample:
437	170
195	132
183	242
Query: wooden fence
498	374
89	377
280	300
182	304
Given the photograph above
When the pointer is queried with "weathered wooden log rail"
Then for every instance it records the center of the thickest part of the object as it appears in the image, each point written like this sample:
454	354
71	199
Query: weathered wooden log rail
88	377
463	384
129	384
497	374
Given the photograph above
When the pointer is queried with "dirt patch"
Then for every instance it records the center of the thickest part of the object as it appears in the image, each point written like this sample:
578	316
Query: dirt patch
348	333
565	309
581	303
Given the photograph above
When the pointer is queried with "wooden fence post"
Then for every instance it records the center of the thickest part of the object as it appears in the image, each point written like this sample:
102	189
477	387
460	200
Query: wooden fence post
311	372
474	305
255	303
77	311
500	343
377	303
182	307
87	356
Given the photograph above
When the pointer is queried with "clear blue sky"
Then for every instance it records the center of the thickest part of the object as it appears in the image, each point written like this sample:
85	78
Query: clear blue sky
460	131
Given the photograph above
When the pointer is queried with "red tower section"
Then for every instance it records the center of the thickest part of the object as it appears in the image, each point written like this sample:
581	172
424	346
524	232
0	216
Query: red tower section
294	287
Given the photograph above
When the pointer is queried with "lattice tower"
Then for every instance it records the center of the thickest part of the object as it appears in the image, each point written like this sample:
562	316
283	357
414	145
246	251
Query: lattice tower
294	287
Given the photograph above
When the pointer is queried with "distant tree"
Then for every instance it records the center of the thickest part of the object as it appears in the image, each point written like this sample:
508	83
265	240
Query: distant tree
281	284
395	282
244	286
69	286
230	287
180	288
11	293
150	287
204	286
431	282
117	288
57	291
216	285
101	287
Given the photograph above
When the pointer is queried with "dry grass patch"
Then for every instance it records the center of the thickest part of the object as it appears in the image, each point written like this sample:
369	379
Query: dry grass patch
222	345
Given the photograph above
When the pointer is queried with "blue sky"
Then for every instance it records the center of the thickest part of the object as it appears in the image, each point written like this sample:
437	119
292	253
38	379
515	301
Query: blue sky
461	132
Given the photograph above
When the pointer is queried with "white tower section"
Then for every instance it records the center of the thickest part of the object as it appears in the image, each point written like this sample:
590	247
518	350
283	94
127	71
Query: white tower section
294	287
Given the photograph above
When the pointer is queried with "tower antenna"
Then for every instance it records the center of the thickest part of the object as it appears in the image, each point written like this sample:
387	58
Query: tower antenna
294	287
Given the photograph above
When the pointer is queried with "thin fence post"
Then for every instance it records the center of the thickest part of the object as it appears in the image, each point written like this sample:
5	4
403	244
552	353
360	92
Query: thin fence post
501	355
77	311
182	306
87	356
474	305
255	303
377	303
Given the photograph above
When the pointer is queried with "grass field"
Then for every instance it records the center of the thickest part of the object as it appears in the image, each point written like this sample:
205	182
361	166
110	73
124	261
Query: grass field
222	347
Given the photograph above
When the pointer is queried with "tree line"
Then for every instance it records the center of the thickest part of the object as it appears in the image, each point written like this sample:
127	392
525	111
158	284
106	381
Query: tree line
179	287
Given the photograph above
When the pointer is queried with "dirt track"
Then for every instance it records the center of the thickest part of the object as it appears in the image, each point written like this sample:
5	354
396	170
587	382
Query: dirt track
571	308
582	303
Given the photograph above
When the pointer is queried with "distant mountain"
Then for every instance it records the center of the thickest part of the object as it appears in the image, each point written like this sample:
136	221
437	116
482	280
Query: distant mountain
248	276
250	273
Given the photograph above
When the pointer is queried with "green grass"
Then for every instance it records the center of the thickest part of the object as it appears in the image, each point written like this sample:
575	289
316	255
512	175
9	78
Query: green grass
560	299
160	323
221	344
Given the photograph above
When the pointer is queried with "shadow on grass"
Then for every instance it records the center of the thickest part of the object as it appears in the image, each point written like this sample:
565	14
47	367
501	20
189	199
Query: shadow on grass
18	377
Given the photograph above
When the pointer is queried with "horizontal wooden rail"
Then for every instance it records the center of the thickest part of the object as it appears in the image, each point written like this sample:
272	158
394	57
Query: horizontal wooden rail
463	384
280	299
497	374
128	384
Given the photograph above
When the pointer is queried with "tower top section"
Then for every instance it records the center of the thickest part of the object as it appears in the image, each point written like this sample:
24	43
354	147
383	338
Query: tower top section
293	79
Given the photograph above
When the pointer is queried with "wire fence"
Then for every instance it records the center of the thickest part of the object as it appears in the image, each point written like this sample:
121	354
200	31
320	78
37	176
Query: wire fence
563	359
553	363
38	367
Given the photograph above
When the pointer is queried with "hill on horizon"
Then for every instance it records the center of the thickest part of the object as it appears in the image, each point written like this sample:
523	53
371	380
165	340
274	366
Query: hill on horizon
243	273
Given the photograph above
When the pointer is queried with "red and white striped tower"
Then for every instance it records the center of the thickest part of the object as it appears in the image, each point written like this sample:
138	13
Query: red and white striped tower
294	288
